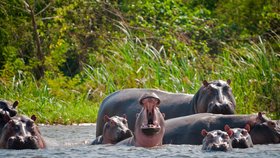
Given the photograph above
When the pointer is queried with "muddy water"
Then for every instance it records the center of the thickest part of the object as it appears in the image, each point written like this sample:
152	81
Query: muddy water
73	141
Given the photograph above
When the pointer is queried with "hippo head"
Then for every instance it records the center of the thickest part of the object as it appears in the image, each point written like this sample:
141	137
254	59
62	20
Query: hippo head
240	137
150	103
216	140
215	97
115	129
20	132
265	131
149	126
7	107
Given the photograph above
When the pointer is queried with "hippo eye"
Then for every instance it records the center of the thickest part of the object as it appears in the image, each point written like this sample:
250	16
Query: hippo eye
210	135
244	132
112	123
124	121
29	124
226	88
225	136
16	128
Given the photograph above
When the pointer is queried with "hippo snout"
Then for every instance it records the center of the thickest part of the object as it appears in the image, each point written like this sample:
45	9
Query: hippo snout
19	142
126	134
220	147
240	143
218	108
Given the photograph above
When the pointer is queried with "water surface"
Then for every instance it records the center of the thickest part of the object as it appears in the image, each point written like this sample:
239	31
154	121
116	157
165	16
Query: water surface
73	141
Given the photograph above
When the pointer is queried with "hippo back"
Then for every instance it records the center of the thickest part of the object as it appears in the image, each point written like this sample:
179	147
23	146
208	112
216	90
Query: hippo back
127	102
187	129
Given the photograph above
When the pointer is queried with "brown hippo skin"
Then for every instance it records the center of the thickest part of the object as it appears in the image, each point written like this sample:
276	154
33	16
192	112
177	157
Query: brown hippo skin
186	129
216	140
149	125
240	137
6	108
20	132
115	130
213	97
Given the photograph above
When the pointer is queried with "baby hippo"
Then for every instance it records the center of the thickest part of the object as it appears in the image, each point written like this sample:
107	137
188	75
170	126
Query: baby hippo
240	137
115	130
149	125
20	132
216	140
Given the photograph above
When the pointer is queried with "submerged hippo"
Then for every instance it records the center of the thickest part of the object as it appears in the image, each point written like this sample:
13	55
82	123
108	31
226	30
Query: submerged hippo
114	131
186	129
6	108
240	137
149	125
216	140
20	132
213	97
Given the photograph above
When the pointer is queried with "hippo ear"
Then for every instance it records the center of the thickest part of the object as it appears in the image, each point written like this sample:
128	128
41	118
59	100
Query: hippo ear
227	128
229	132
34	118
15	104
106	118
204	132
163	115
124	116
260	118
247	127
205	83
137	114
228	81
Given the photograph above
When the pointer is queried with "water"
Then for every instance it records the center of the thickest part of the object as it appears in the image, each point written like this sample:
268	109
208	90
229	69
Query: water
73	141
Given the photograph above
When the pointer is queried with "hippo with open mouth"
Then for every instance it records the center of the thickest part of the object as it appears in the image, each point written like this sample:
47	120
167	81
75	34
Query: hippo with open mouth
212	97
21	132
149	125
115	130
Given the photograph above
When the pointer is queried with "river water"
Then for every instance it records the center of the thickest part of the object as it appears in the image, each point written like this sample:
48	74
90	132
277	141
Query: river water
73	141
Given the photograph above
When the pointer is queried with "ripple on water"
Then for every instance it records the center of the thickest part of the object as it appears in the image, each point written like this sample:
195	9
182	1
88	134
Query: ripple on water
73	141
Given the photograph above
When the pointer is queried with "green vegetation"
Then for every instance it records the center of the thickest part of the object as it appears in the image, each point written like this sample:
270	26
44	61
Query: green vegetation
61	65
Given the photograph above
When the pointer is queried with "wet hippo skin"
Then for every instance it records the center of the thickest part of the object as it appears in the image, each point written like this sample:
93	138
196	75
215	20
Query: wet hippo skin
149	125
115	130
7	108
212	97
240	137
186	129
216	140
20	132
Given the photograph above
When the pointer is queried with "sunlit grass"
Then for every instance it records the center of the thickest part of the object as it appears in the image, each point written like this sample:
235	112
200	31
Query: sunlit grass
254	71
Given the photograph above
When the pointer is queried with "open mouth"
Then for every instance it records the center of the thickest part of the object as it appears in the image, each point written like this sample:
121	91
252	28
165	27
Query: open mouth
151	128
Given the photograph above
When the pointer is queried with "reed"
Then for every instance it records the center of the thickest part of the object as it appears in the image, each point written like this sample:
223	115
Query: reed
253	68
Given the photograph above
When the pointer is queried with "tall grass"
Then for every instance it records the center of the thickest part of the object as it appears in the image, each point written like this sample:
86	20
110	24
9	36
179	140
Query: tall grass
253	68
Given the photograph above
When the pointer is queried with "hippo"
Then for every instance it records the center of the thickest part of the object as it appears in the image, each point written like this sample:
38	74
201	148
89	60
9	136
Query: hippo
240	137
212	97
186	129
7	108
149	124
216	140
20	132
115	130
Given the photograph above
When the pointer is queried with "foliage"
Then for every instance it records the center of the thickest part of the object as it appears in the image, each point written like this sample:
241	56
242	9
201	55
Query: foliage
93	48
